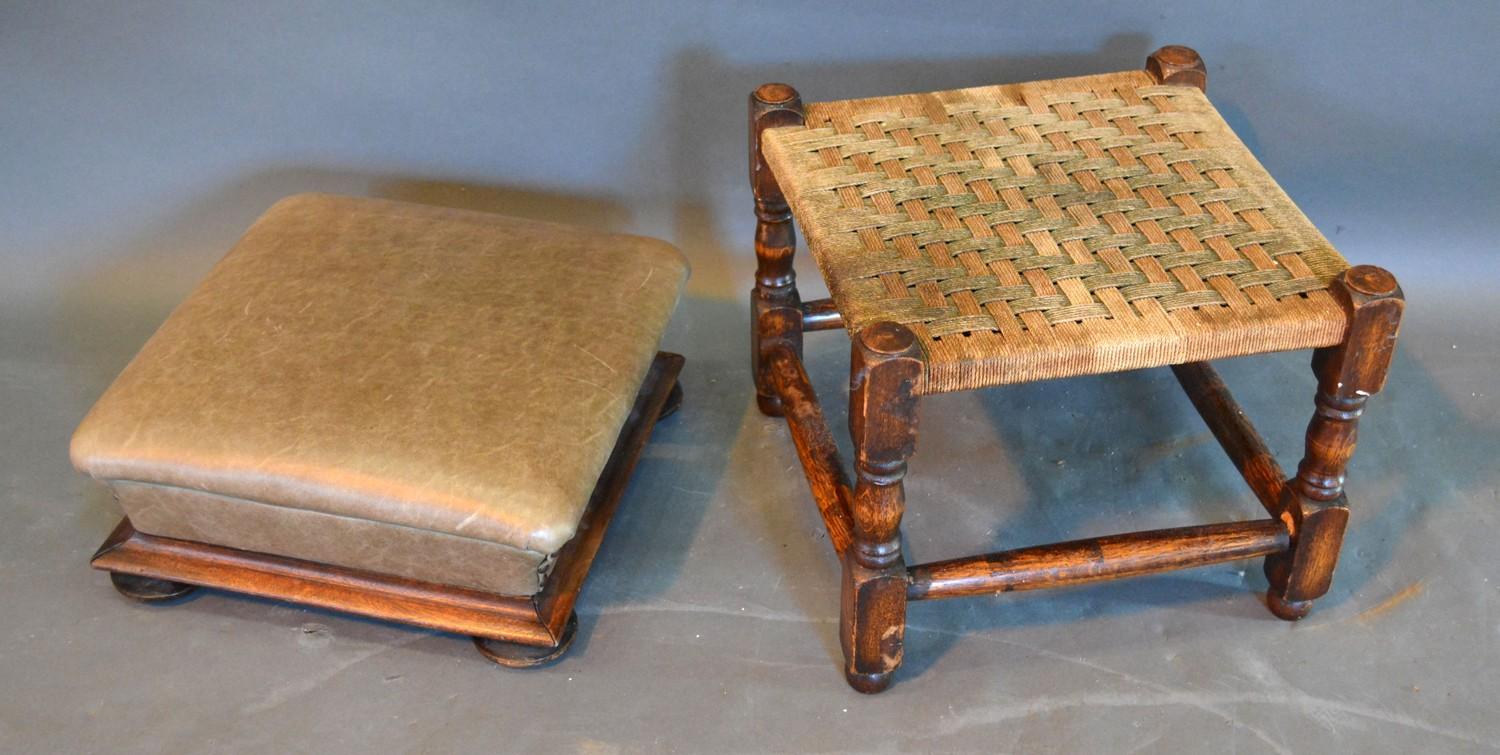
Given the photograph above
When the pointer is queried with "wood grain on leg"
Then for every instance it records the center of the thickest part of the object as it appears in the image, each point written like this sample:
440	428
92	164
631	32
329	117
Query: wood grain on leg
816	448
772	105
149	589
1314	506
1234	432
884	373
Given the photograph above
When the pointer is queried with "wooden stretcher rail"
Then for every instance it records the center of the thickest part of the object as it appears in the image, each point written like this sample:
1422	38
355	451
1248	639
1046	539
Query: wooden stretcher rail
820	314
1234	431
815	446
1096	559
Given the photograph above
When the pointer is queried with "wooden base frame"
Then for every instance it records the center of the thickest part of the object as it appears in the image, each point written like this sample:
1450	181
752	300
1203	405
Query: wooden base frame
1300	541
511	630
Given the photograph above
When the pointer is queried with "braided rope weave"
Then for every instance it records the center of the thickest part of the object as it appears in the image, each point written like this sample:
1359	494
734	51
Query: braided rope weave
1105	210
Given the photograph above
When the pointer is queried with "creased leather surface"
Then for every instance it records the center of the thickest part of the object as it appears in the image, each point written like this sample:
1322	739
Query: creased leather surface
437	369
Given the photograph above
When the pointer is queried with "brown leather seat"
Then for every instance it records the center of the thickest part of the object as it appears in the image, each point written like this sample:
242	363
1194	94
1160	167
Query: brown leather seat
417	391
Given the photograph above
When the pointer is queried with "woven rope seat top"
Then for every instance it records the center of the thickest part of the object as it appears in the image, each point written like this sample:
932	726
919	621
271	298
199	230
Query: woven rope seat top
1055	228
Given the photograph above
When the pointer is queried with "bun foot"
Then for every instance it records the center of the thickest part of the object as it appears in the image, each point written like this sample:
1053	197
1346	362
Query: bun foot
1276	569
869	684
769	405
149	589
1290	610
514	655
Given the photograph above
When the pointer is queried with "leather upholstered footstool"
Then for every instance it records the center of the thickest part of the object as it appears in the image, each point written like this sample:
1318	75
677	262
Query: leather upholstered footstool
418	414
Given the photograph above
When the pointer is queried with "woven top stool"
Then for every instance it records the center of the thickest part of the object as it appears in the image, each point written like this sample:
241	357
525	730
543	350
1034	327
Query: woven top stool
414	413
1004	234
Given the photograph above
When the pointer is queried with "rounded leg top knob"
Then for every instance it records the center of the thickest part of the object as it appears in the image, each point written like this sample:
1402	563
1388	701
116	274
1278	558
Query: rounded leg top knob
1179	65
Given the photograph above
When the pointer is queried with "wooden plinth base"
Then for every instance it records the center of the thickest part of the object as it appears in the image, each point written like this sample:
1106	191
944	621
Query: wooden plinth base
512	630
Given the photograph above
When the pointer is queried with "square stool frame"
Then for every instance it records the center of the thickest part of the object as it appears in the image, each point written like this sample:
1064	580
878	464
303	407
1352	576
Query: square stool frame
1300	541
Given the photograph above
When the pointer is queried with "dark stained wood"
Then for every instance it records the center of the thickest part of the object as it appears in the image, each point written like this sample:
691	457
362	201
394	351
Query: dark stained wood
884	369
1300	543
540	622
1234	432
1096	559
565	582
821	314
148	590
772	105
1175	64
516	655
816	447
380	596
1313	505
1348	374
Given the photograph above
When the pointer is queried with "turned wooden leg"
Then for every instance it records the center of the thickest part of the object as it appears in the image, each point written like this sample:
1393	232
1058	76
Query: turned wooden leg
775	307
1314	508
885	368
148	589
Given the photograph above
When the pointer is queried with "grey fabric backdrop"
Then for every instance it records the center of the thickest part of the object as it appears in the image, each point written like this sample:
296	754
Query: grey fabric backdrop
138	139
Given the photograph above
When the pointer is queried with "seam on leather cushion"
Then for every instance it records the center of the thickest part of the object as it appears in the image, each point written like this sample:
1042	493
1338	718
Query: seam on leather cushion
320	512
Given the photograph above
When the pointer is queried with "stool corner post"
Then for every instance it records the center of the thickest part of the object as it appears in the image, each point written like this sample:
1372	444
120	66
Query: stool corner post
775	306
1179	65
885	370
1314	506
